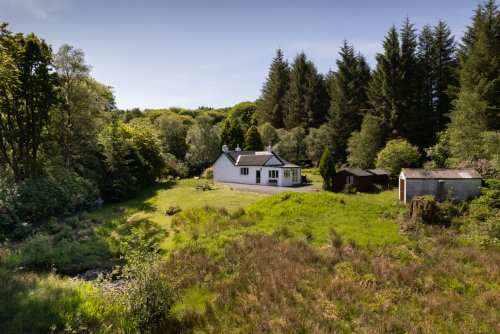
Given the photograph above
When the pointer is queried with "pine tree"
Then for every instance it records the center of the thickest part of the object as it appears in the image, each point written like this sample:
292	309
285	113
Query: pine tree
409	119
445	65
384	91
327	169
253	142
307	98
348	99
296	103
475	120
271	107
480	72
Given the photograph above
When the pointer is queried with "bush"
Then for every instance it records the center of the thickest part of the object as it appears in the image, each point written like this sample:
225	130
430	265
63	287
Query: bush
397	154
9	197
349	189
147	296
61	192
208	174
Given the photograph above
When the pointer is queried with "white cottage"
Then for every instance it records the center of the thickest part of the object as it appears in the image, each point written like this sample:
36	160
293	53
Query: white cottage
260	167
443	184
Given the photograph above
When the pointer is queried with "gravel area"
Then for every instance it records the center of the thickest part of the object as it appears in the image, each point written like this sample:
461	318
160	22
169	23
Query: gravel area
270	190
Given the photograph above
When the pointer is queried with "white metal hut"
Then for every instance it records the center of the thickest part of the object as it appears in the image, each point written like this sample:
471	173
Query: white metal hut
443	184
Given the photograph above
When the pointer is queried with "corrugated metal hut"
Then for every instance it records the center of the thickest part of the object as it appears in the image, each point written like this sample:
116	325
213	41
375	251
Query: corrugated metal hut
443	184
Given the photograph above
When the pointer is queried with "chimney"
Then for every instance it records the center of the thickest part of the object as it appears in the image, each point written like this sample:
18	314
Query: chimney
270	149
237	148
225	148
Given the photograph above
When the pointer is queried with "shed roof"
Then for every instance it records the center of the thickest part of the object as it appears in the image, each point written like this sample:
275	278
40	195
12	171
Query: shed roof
255	158
357	172
377	171
413	173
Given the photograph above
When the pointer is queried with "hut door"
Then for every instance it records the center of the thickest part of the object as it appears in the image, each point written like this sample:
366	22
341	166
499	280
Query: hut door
402	190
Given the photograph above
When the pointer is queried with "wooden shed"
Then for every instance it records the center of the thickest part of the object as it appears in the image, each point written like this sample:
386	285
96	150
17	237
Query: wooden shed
443	184
359	178
380	177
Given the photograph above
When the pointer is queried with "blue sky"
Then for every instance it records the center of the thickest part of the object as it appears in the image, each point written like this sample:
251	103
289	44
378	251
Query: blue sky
214	53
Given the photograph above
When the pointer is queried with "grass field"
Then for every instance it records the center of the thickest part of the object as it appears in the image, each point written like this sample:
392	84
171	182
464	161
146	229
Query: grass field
244	262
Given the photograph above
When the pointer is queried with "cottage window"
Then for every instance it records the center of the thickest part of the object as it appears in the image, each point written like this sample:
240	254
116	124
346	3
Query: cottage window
295	175
244	171
286	173
273	174
349	179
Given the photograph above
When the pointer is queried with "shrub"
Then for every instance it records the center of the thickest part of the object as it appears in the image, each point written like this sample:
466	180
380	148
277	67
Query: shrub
61	192
349	189
147	296
208	174
397	154
9	197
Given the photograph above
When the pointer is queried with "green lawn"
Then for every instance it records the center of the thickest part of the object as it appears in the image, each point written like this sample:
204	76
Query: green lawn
364	219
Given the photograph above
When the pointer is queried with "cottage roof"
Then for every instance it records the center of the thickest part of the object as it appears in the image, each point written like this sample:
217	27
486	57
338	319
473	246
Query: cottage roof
357	172
377	171
413	173
255	158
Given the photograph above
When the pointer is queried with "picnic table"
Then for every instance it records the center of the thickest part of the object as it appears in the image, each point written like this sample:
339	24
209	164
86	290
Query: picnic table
204	187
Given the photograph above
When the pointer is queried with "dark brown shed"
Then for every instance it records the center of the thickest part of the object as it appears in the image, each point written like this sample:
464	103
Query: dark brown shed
380	177
359	178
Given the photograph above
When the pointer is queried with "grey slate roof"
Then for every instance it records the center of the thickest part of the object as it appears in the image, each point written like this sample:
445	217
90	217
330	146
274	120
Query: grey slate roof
252	158
414	173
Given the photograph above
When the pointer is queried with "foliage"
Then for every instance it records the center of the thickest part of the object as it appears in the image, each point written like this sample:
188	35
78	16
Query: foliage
268	134
363	146
290	146
147	297
27	93
397	154
208	174
316	141
60	192
175	167
9	197
172	135
243	113
203	143
307	98
253	142
327	169
271	107
348	97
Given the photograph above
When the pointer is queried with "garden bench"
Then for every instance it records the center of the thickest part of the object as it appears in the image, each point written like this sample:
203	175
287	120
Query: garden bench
272	183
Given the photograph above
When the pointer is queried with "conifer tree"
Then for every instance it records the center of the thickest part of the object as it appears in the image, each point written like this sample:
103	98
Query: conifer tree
271	106
253	142
307	98
384	91
475	120
409	120
327	169
348	97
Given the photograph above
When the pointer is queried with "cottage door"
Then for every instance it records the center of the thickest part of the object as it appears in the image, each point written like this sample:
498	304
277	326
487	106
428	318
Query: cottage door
257	176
